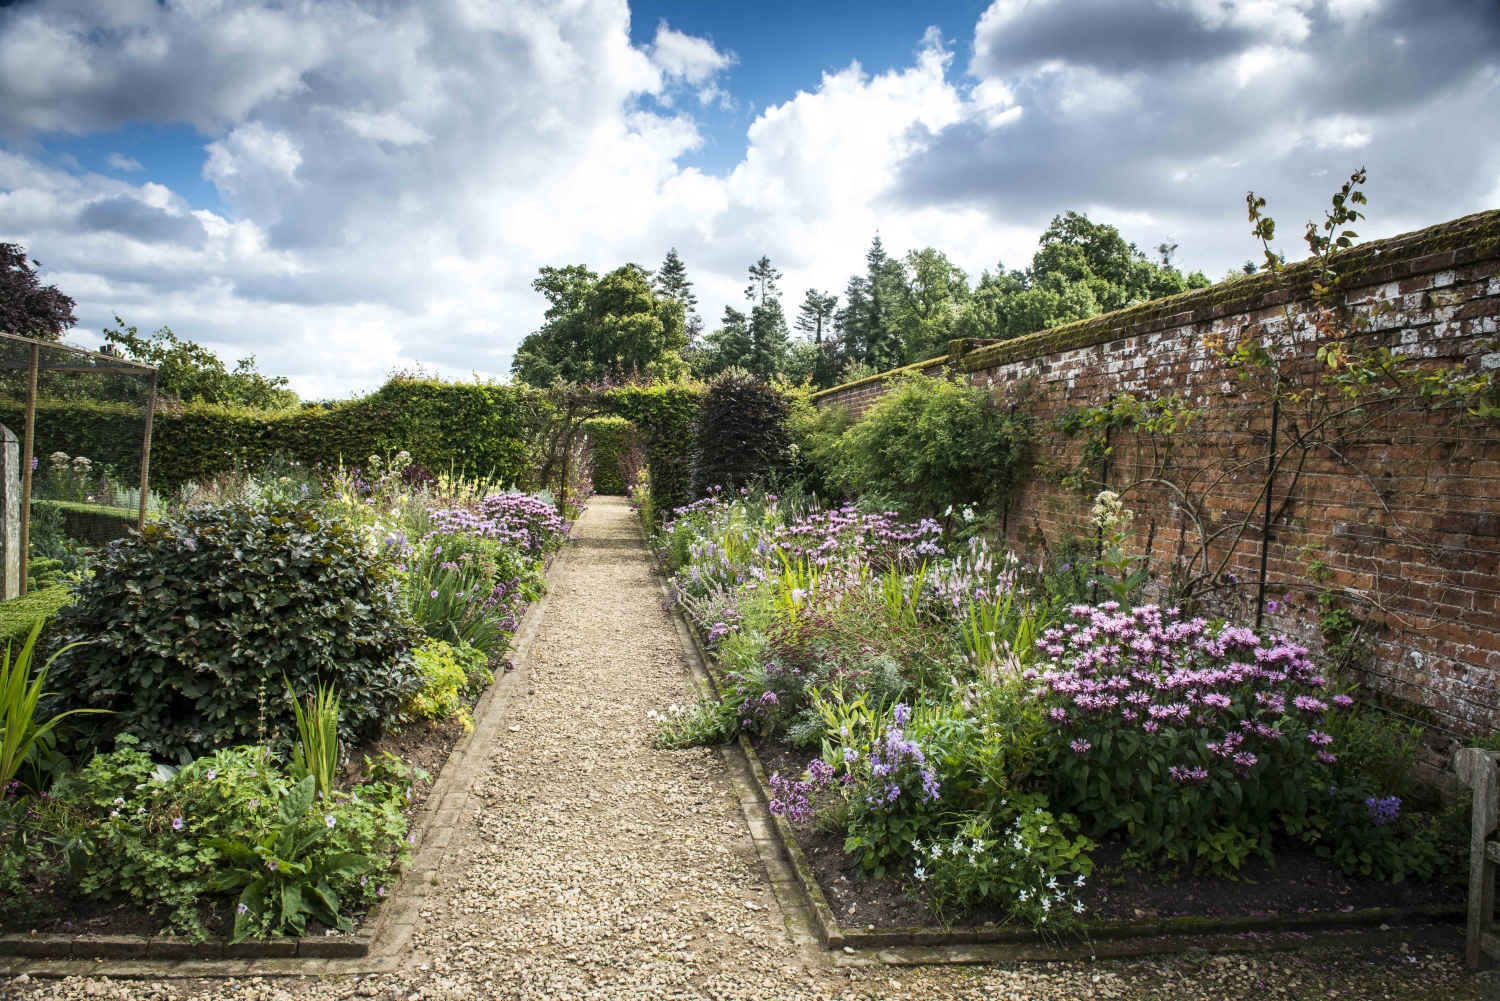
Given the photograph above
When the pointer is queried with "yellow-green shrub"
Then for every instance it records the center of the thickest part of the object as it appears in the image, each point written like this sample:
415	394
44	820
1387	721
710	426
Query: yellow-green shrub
443	682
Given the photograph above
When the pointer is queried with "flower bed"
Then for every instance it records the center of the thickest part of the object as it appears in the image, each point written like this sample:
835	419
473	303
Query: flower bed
266	683
968	735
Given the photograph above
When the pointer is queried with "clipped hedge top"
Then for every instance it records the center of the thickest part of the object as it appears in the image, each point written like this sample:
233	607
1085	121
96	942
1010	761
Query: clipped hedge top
18	615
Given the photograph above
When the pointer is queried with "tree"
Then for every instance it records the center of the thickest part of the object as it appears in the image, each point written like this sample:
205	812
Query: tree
27	306
934	295
866	324
601	328
1081	269
768	333
672	282
726	347
815	315
191	373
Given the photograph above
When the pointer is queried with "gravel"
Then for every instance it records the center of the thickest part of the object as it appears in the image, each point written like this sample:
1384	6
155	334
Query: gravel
598	868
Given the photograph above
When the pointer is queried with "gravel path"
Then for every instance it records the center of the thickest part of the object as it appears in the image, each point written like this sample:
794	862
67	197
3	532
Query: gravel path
598	868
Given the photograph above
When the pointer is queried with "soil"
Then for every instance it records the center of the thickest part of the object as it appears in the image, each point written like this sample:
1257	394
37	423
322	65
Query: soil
1300	883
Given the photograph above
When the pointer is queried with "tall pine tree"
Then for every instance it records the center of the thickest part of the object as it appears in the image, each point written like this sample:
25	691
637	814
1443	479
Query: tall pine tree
768	333
815	315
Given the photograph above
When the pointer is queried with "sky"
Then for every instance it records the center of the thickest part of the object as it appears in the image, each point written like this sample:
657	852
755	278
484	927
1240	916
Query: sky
348	189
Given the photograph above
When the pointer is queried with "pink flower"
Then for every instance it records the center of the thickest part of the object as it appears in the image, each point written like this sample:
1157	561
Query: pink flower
1081	746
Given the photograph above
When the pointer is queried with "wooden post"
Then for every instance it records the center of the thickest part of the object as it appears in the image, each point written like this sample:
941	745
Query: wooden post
1477	769
1265	526
140	525
27	445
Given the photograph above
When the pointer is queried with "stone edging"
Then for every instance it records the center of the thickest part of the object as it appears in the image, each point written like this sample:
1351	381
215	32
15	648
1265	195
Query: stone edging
1172	934
387	928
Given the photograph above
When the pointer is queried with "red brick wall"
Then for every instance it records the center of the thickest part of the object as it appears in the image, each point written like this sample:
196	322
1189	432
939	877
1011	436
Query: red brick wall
1401	520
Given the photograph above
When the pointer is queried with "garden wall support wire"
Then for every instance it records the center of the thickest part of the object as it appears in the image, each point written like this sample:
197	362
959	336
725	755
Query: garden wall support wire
27	443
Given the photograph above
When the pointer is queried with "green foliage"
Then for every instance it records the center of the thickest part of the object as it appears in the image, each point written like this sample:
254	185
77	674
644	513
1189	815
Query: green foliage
316	753
445	678
158	836
610	439
813	455
481	427
191	373
19	694
283	879
740	435
705	722
189	627
1031	867
1082	269
663	416
602	328
19	615
932	443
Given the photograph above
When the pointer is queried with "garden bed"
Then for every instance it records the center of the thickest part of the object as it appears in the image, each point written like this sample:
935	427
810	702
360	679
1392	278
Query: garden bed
425	745
1301	884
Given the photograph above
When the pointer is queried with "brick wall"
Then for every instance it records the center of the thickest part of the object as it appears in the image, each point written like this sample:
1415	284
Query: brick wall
1400	519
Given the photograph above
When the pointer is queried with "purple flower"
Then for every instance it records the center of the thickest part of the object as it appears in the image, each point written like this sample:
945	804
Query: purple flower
1383	811
328	821
433	594
242	909
380	892
901	714
1081	746
272	864
177	823
211	774
1343	701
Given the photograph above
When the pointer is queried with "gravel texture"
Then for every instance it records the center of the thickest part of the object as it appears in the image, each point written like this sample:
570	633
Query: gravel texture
598	868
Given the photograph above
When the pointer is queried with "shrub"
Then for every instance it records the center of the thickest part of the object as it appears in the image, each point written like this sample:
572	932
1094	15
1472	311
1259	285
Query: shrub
609	442
444	680
813	456
663	417
740	435
1192	741
930	443
189	628
18	615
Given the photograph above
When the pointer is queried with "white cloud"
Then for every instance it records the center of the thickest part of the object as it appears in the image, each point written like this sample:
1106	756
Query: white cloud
119	161
392	175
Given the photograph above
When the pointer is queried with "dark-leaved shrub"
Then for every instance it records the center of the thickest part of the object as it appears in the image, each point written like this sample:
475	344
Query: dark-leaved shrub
740	435
188	629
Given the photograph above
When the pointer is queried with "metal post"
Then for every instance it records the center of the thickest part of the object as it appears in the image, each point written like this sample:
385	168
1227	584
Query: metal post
146	450
1265	527
27	445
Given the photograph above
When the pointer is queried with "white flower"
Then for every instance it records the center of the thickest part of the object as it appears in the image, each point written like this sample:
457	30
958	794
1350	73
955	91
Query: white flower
920	873
1025	895
1078	907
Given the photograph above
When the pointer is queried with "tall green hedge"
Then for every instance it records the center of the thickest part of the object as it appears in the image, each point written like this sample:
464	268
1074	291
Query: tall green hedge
609	439
478	427
663	418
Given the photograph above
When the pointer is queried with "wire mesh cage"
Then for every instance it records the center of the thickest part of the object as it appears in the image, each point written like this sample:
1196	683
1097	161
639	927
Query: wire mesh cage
75	447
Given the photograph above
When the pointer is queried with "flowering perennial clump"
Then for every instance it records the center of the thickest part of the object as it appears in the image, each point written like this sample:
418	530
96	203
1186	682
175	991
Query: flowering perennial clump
1146	702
